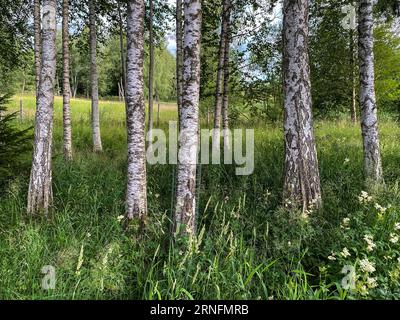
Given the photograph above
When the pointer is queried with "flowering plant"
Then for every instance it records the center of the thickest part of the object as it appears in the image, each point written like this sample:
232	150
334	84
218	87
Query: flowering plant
370	247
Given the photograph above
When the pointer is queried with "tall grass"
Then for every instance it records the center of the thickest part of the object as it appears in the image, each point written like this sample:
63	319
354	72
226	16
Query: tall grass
248	245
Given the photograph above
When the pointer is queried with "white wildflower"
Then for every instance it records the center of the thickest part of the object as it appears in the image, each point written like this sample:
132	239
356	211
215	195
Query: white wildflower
372	282
345	224
397	226
364	197
381	209
367	266
369	240
363	290
393	238
120	218
332	256
345	253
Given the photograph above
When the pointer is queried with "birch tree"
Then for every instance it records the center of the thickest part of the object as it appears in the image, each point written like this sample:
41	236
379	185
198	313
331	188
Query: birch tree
301	178
151	72
122	51
40	190
136	195
353	110
179	54
225	97
37	41
67	134
184	218
369	117
94	82
220	74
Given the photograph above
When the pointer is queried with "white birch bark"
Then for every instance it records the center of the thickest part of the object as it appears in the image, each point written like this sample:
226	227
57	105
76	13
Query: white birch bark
37	41
151	74
220	72
369	117
40	193
301	181
179	54
122	51
184	218
67	131
353	110
136	195
225	97
94	82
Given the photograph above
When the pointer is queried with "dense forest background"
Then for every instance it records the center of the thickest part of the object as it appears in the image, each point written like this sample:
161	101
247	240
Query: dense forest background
256	55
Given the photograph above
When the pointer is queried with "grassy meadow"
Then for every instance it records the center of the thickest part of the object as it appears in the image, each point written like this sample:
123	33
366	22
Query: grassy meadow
248	247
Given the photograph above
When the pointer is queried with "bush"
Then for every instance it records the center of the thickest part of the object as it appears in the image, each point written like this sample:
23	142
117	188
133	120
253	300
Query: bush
14	143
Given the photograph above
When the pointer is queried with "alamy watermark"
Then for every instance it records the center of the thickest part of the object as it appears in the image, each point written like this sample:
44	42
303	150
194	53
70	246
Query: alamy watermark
349	22
49	279
204	147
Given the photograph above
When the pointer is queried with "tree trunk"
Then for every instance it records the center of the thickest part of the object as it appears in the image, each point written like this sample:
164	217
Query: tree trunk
21	103
369	117
151	73
220	72
301	181
97	146
66	84
74	79
122	53
353	110
40	193
158	110
179	54
21	110
122	89
184	218
136	196
225	98
37	40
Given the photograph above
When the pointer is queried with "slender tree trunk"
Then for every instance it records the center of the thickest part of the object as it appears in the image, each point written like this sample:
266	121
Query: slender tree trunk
179	54
301	181
67	131
122	89
119	91
122	53
21	103
184	218
353	110
220	73
136	196
158	110
40	193
369	117
225	98
97	146
58	84
75	86
21	110
37	40
151	73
